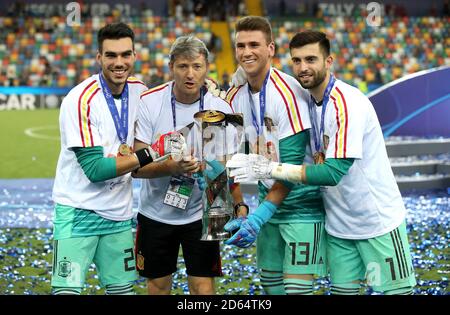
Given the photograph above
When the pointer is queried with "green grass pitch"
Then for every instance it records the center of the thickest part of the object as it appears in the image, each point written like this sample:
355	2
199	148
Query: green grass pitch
29	149
29	143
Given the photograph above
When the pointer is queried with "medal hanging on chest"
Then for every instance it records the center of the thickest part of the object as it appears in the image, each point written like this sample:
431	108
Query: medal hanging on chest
120	120
124	150
318	126
319	157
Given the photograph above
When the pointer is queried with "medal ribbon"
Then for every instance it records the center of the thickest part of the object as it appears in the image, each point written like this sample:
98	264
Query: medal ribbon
172	101
318	133
120	122
262	105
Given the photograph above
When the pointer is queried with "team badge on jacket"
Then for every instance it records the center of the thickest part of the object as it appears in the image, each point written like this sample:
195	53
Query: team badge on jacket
140	262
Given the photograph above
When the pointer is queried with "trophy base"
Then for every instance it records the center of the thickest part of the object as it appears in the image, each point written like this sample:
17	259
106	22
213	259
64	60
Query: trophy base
213	230
216	237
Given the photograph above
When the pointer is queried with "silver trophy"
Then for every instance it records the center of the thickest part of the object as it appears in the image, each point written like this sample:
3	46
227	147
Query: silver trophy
217	203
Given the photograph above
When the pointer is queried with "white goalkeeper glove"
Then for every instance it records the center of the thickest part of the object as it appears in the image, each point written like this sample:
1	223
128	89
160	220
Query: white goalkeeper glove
250	167
239	77
241	167
214	88
171	144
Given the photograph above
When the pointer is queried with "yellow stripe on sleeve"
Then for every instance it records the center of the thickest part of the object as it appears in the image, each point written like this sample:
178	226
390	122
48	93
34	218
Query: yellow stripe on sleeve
84	114
290	100
342	121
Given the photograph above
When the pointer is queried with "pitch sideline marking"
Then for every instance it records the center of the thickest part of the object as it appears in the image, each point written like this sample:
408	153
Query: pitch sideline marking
33	132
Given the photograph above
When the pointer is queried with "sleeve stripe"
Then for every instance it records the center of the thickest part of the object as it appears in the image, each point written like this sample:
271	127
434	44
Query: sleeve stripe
135	80
231	94
285	102
346	120
342	120
293	100
339	125
89	117
79	110
155	89
230	91
138	82
84	112
289	102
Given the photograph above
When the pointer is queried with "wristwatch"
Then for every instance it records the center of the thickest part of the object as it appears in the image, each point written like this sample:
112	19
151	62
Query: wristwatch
238	205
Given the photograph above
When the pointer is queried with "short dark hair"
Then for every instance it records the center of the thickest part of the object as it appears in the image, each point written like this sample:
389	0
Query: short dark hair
255	23
311	37
114	31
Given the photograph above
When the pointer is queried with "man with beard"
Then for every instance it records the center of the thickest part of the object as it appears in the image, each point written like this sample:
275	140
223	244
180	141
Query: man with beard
92	190
365	214
289	222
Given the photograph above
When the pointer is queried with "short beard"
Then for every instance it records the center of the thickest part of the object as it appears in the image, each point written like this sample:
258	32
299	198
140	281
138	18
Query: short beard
316	82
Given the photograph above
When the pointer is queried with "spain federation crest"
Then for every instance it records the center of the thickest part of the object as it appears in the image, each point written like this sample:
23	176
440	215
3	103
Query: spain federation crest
65	268
140	262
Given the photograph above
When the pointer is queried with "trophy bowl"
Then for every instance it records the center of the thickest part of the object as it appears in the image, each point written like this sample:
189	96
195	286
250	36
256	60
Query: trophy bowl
213	225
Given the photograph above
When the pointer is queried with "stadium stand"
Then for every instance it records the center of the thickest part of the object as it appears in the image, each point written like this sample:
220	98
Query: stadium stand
40	49
63	56
369	57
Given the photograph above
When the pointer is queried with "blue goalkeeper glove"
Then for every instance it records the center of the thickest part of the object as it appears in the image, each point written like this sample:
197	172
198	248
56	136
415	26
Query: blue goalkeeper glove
216	169
200	180
249	226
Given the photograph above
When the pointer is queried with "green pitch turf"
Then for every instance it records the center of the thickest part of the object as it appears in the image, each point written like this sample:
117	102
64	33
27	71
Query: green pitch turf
26	268
30	148
29	143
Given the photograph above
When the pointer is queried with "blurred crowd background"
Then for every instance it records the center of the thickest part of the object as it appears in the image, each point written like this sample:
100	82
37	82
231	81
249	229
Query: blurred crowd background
39	48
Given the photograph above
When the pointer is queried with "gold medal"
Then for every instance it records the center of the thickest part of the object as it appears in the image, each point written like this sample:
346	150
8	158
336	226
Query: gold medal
124	149
319	158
